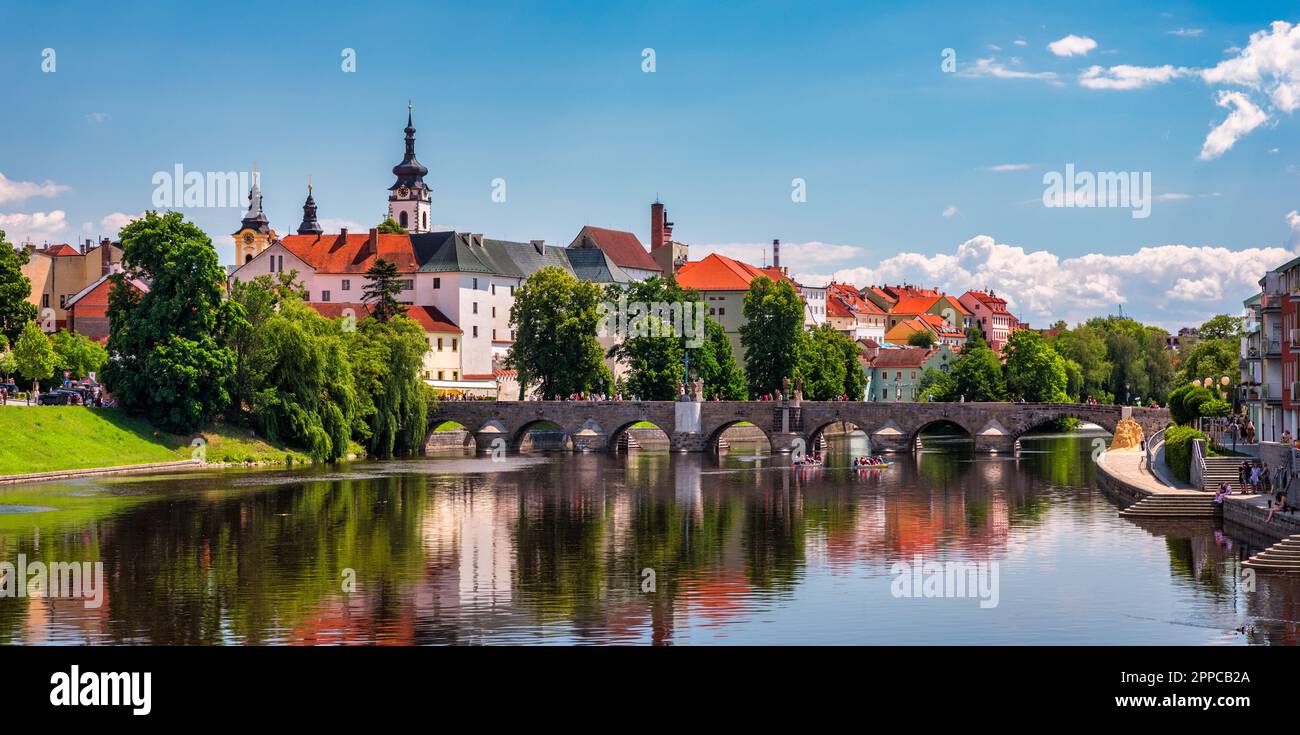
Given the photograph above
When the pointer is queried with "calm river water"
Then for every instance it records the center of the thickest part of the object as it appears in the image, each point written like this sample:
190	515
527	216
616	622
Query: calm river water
640	548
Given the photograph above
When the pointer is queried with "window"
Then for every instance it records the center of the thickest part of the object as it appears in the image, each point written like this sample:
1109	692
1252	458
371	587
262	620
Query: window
722	311
437	283
324	295
455	375
453	344
475	284
494	289
475	307
347	285
494	312
425	218
402	219
475	330
439	375
440	344
45	301
494	335
408	284
713	312
63	301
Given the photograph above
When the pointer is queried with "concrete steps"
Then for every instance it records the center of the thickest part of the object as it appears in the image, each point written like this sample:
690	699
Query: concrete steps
1173	505
1219	470
1281	557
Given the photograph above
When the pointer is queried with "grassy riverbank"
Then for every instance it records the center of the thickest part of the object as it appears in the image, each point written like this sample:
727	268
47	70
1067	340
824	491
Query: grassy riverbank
51	438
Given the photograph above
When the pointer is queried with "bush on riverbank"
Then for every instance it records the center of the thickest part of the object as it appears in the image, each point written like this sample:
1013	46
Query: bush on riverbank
1178	450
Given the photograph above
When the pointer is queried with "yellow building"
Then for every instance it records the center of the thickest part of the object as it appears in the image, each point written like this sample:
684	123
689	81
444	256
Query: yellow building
59	272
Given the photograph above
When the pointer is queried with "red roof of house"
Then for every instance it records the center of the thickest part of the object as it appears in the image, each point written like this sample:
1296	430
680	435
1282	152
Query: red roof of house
995	304
939	326
337	254
426	316
904	357
850	300
58	250
622	247
720	273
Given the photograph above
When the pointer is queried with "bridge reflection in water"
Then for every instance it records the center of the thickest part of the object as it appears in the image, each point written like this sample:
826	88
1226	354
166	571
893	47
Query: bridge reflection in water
650	547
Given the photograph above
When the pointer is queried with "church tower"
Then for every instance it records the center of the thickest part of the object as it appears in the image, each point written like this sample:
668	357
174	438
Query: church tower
310	225
408	199
254	234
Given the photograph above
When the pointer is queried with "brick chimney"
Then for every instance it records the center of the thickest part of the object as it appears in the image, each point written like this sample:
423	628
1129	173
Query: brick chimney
372	244
776	254
105	256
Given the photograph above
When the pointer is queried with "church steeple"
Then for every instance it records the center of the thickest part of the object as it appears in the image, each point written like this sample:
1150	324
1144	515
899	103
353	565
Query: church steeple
255	218
408	199
309	226
254	234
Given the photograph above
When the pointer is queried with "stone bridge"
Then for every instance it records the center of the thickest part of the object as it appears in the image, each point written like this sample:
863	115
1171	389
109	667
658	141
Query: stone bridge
788	425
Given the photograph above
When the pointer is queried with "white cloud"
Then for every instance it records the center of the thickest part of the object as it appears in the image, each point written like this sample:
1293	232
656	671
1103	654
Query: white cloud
17	191
1072	45
1186	32
1293	221
812	253
991	68
994	47
99	117
1166	284
1125	76
117	220
37	227
1270	64
1005	167
1243	118
1171	197
1020	42
950	211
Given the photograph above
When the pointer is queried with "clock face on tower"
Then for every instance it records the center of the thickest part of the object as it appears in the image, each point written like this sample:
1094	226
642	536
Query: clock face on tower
403	192
248	238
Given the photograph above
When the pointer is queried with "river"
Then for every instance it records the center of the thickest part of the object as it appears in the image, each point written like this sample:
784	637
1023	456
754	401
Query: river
646	547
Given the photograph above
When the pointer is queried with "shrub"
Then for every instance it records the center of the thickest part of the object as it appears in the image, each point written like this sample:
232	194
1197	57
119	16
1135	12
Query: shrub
1186	402
1178	450
1216	408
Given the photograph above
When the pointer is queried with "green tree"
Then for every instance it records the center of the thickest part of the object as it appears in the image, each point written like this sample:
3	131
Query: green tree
8	365
772	334
383	283
169	351
715	364
821	364
977	373
1212	359
1220	327
922	338
936	385
390	227
1086	347
293	377
34	356
555	318
392	403
78	354
1034	370
15	310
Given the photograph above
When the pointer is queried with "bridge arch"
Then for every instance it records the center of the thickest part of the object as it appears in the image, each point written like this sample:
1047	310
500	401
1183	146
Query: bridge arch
522	440
621	440
1037	418
914	437
715	436
818	432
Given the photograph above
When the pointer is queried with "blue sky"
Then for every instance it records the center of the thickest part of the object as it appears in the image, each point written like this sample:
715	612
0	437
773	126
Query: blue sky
851	98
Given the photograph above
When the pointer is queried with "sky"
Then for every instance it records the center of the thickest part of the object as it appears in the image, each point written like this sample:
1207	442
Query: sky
880	144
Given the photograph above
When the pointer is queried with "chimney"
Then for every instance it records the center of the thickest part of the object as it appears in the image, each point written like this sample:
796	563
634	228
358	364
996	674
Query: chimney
776	254
86	248
372	244
105	256
343	233
539	246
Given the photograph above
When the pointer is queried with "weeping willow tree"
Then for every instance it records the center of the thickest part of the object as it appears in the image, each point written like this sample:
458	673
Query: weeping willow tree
393	403
294	373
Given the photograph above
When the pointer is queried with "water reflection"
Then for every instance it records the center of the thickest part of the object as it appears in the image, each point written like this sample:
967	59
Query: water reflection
639	548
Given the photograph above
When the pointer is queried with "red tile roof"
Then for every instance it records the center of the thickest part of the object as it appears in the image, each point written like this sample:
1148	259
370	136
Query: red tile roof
336	254
622	247
850	301
720	273
939	326
995	304
59	250
426	316
905	357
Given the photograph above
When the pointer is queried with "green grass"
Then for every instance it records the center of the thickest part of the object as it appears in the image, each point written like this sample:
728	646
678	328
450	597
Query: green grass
52	438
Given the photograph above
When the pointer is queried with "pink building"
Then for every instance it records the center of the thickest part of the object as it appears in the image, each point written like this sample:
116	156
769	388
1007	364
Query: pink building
990	313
